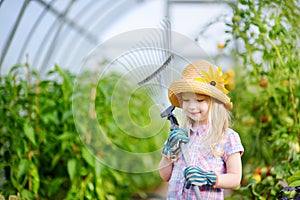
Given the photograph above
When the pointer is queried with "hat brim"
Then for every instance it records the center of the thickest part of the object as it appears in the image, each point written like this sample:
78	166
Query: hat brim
197	87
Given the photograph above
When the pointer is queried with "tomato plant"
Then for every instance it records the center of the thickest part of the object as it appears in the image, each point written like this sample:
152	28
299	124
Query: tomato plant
267	94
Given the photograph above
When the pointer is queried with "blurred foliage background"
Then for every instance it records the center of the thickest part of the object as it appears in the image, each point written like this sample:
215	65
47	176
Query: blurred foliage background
42	156
266	96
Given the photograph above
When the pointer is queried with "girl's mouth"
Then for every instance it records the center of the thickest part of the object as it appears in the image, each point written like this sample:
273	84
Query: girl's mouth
194	113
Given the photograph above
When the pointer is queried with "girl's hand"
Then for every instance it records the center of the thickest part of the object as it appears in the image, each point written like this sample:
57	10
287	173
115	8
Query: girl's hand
196	176
172	144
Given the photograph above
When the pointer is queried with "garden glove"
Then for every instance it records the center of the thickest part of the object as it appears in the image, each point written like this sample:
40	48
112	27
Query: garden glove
172	144
196	176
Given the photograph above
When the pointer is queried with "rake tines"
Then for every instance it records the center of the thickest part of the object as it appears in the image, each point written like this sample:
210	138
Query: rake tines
149	62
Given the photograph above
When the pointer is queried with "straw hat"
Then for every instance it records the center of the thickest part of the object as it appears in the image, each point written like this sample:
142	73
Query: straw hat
200	77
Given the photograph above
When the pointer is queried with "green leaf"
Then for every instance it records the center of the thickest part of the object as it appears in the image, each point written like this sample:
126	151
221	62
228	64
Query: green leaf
29	133
35	179
23	168
88	157
294	178
27	194
98	169
55	159
66	136
295	183
15	68
13	179
72	168
67	115
54	186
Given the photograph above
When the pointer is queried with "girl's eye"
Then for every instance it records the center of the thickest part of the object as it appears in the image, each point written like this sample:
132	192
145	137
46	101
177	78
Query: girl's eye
200	100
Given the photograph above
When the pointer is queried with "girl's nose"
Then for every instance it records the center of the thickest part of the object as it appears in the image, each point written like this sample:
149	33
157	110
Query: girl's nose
193	105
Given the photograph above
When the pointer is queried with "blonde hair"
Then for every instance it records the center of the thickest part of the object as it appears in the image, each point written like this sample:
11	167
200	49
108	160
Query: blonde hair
217	123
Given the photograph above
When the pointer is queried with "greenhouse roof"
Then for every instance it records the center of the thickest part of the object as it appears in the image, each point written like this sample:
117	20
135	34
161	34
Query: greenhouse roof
48	32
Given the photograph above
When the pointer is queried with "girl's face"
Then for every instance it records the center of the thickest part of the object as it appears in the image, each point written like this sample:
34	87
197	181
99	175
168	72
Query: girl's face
196	107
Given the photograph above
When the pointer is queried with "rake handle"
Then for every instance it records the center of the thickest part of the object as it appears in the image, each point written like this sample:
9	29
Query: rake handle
187	163
174	124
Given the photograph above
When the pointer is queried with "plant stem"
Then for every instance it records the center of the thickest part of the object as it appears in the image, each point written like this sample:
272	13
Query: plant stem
294	108
29	119
276	49
37	92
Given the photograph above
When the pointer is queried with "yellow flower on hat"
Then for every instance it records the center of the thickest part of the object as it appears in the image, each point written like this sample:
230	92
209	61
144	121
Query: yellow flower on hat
216	79
201	77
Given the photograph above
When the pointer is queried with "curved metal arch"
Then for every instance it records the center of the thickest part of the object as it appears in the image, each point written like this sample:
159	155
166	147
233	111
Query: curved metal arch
94	42
62	19
70	42
32	31
12	33
51	42
47	48
70	22
45	39
1	1
71	39
55	39
100	20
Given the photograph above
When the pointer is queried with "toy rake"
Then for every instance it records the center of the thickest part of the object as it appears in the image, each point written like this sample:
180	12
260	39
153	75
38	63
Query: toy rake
150	63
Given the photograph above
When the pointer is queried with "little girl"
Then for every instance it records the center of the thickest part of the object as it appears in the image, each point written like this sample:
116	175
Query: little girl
214	150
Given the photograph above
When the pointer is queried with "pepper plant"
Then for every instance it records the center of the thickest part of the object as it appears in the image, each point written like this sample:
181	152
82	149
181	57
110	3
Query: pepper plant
41	153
